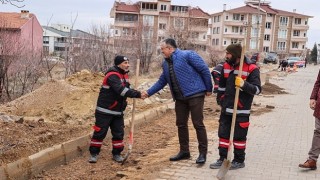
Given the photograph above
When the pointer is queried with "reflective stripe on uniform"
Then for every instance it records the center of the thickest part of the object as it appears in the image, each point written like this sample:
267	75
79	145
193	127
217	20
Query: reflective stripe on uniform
124	91
221	89
105	87
108	111
258	91
238	111
239	144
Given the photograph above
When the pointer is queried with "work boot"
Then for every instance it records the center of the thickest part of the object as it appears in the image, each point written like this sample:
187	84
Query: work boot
201	159
216	165
309	164
181	155
93	158
118	158
236	165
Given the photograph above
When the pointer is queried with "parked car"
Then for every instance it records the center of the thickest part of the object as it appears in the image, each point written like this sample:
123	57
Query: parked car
299	64
271	57
292	60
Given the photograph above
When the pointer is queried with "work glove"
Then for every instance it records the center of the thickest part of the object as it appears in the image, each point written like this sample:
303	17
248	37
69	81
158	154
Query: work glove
239	82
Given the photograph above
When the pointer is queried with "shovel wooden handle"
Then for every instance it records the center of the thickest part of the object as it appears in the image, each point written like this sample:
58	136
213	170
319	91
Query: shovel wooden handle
131	124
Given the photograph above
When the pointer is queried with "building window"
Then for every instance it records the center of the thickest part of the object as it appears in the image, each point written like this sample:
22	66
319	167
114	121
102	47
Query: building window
267	37
306	23
163	7
182	9
265	49
295	45
234	41
225	29
224	42
160	38
149	6
227	17
281	46
45	40
213	42
236	17
284	21
116	32
178	22
253	44
282	34
297	21
214	30
235	29
242	17
296	33
304	34
195	35
268	25
269	15
162	26
216	19
217	42
148	20
254	32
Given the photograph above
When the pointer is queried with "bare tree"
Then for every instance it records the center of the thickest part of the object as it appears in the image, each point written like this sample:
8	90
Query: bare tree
19	65
13	2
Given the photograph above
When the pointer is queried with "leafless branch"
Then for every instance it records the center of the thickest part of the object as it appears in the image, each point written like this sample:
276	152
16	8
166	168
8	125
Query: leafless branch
13	3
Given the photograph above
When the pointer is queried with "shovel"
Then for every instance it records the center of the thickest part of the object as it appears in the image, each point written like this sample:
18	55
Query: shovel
130	143
227	162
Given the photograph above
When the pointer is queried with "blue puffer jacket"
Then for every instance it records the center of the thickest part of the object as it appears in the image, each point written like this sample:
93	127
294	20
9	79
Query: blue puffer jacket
192	74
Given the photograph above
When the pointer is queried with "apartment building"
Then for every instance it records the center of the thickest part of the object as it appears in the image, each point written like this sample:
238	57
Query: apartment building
58	39
264	28
151	21
20	34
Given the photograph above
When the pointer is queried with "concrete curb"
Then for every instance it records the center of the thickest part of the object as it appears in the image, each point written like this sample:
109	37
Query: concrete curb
26	168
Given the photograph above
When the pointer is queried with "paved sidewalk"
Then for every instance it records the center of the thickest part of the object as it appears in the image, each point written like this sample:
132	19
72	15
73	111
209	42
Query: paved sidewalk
277	141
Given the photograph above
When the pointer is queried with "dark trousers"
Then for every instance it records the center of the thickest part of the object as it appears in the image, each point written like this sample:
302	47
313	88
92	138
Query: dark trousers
195	107
102	124
239	139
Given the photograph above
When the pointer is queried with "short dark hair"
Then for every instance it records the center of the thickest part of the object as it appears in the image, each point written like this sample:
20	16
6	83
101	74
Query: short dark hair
171	42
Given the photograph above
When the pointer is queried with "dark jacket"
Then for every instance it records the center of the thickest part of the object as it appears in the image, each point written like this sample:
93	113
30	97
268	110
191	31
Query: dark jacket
114	92
226	90
192	74
315	95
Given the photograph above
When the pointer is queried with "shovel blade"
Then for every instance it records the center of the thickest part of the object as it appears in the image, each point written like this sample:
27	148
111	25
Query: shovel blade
125	157
224	169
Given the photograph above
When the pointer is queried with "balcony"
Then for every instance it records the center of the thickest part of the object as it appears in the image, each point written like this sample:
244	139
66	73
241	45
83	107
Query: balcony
300	27
234	35
299	39
234	23
60	44
125	23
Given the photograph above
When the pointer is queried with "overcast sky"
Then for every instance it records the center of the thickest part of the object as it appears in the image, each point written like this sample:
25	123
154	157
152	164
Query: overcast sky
97	12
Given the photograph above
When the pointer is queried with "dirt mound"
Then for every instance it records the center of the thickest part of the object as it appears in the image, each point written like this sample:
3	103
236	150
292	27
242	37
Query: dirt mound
269	89
60	101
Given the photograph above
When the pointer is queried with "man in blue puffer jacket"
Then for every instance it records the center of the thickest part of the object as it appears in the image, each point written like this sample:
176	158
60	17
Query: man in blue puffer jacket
189	79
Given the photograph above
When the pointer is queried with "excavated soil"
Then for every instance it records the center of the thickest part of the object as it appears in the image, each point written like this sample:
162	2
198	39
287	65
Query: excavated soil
62	110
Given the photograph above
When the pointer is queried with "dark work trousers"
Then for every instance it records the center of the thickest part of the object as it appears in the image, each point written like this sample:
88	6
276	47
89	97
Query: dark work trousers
195	107
240	136
102	124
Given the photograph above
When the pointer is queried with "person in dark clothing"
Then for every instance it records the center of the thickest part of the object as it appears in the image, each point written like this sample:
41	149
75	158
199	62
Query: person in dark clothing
283	65
189	80
250	85
110	106
216	73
